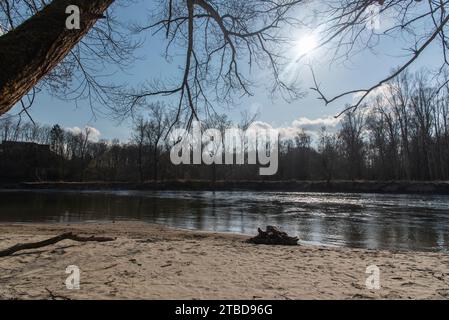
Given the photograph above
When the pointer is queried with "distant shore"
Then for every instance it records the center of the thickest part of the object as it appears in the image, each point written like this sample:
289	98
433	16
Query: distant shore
347	186
155	262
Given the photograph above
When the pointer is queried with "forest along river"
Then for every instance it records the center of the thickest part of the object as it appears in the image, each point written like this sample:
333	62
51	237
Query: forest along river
375	221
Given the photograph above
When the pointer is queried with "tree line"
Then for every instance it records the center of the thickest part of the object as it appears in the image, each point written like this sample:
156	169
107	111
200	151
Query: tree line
401	133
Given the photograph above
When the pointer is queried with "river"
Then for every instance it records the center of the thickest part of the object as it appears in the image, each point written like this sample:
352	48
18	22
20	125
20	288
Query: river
374	221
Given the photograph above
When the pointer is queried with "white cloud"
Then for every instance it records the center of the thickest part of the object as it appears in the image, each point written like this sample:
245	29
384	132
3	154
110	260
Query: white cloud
261	125
315	124
310	126
94	133
381	92
74	130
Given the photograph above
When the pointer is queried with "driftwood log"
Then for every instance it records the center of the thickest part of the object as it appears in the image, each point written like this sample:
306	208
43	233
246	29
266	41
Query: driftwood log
65	236
273	236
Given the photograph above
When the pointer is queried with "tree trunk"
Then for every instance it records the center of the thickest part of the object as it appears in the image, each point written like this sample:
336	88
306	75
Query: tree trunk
33	49
140	163
155	163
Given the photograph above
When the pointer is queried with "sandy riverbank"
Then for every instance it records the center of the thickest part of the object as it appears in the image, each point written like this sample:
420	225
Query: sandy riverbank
155	262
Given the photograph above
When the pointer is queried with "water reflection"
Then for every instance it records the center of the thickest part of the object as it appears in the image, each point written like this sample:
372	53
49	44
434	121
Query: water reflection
355	220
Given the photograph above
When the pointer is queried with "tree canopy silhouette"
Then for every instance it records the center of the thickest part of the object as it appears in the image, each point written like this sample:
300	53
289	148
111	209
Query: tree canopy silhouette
223	41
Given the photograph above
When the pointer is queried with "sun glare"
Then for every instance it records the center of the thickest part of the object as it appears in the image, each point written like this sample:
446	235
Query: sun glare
306	44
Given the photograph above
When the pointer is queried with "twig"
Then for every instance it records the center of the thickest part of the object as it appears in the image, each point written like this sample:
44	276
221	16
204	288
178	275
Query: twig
65	236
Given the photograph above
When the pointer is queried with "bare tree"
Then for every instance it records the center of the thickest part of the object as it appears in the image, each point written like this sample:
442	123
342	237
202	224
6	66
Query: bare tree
139	132
158	127
32	48
351	135
347	29
328	148
224	41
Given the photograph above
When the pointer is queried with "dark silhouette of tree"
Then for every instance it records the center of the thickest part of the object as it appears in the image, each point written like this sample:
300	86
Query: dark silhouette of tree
33	49
223	40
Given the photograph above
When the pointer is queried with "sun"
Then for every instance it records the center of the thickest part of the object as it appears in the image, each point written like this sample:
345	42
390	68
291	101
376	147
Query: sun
306	44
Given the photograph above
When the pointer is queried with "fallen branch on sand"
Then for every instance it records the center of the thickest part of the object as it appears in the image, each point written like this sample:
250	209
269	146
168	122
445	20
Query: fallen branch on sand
65	236
273	236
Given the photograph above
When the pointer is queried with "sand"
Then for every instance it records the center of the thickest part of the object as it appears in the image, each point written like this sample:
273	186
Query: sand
155	262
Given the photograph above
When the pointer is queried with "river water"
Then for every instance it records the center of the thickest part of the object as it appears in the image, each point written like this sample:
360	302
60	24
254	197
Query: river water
375	221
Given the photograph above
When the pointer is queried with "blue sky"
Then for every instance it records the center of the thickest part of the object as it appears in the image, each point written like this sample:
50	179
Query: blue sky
362	71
